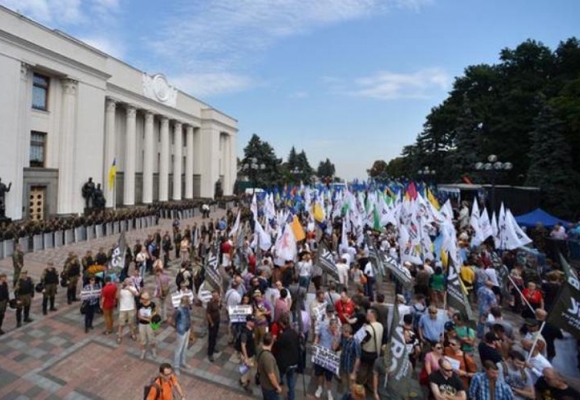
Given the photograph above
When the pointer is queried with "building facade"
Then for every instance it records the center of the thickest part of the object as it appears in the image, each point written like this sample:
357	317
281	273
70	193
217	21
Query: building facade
69	111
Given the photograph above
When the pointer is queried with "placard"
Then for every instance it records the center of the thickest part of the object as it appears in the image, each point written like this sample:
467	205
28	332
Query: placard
360	335
239	313
87	294
326	358
177	296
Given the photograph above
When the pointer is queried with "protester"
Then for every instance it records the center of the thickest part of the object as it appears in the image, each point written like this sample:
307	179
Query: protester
486	385
146	310
165	384
181	321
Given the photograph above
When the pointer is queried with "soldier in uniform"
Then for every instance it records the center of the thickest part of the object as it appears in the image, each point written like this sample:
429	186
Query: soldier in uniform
24	292
101	257
87	260
17	263
167	246
49	280
4	295
177	241
72	271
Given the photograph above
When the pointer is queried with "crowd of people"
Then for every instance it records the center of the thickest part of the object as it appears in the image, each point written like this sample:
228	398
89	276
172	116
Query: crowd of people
283	313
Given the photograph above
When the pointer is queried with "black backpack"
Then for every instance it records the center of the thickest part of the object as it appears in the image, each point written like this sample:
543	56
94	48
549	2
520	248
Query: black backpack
153	385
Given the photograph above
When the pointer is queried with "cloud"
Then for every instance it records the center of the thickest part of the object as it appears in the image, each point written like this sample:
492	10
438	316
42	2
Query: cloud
113	47
210	84
386	85
66	11
300	94
57	12
230	36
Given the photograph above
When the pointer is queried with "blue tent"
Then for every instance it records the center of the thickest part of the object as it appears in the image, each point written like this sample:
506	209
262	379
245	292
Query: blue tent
538	215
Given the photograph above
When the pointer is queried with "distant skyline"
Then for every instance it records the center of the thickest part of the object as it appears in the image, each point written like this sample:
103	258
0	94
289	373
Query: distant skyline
348	80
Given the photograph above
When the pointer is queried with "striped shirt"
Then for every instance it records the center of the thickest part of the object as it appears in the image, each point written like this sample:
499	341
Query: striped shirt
479	389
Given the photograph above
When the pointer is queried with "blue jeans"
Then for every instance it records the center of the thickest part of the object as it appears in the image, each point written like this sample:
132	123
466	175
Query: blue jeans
304	282
270	394
368	288
290	378
180	350
142	270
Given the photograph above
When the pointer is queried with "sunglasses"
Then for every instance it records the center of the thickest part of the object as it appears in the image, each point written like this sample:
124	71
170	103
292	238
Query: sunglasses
438	348
447	370
432	313
452	344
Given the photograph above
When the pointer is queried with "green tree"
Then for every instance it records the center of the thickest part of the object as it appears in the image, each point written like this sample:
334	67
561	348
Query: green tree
551	165
263	153
379	171
325	169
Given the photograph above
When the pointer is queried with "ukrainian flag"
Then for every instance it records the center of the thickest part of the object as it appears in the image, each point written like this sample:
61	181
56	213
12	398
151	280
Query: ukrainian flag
112	174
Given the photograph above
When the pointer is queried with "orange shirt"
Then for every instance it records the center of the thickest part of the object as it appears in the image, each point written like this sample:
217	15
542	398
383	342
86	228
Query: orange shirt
166	386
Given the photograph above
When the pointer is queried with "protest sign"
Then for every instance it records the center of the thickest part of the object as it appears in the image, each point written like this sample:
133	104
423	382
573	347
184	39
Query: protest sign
326	358
239	313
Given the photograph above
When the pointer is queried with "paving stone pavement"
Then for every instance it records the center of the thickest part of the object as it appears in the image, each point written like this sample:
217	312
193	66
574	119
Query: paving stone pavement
52	357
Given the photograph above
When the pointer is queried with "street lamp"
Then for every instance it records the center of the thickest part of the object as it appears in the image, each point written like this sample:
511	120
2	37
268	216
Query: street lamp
251	167
426	172
493	167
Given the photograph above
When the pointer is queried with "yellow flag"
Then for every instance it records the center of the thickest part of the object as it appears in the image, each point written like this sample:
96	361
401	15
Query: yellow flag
317	212
297	229
112	174
433	200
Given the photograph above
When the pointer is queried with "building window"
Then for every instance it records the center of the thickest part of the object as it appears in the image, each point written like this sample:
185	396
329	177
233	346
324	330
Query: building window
40	85
37	149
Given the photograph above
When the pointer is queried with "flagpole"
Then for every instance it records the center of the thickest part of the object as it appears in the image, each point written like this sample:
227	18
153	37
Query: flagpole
535	341
522	295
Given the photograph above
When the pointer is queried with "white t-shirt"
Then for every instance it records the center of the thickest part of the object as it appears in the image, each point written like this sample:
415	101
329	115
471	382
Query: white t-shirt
233	297
343	272
369	271
127	299
492	276
305	268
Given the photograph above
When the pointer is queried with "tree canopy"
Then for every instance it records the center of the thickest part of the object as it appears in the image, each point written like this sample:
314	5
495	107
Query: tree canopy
523	109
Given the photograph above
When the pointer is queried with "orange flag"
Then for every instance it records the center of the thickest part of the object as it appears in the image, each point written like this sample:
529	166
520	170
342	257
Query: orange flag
297	229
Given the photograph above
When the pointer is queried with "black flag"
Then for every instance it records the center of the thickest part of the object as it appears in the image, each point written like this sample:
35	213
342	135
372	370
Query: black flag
456	296
212	273
565	312
326	260
402	274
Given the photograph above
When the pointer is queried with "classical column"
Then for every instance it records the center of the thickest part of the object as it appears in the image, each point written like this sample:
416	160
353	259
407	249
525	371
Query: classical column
189	162
227	162
177	159
164	161
130	150
67	189
149	159
110	152
233	164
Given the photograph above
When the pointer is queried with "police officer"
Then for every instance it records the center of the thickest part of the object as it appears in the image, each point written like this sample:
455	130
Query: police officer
17	263
49	280
24	293
3	299
72	271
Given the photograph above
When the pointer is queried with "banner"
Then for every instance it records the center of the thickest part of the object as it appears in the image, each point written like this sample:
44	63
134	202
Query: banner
177	296
326	358
565	312
456	296
239	313
402	274
326	261
118	255
397	355
212	273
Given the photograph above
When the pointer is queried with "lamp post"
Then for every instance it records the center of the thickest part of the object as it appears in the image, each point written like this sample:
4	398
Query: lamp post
426	172
493	167
251	167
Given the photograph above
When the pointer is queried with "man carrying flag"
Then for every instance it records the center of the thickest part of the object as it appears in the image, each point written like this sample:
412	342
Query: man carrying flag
117	262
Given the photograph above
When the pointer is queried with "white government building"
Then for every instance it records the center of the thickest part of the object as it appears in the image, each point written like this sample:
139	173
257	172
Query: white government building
68	110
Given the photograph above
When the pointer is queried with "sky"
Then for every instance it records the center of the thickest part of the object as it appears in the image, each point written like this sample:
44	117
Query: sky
348	80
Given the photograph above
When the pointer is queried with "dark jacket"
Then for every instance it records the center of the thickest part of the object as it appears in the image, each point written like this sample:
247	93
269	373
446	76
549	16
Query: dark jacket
287	349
